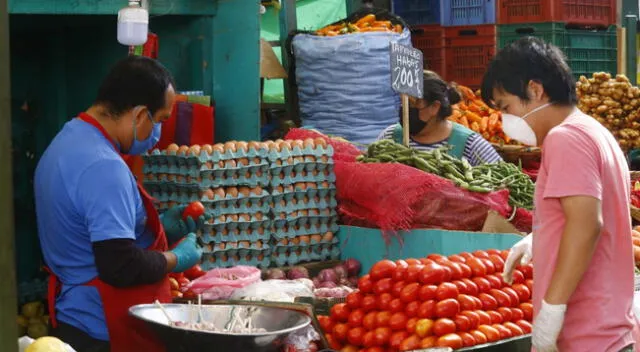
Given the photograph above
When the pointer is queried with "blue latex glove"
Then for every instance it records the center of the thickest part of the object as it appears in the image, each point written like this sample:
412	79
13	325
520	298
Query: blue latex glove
188	253
175	228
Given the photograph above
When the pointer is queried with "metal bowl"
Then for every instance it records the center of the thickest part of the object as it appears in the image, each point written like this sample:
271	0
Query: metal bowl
278	323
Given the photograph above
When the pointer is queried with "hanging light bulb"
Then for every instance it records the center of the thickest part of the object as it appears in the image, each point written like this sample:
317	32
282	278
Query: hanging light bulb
133	24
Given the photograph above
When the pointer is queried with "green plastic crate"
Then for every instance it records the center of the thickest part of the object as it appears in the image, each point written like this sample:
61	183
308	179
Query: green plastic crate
587	51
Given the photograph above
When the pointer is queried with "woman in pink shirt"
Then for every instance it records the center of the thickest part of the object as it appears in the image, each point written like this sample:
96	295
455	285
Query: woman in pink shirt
581	246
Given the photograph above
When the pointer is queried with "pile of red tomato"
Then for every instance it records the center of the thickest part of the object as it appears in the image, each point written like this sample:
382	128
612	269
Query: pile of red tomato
456	301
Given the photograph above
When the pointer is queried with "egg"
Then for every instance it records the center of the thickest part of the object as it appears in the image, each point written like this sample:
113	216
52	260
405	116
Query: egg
314	212
212	259
294	214
245	217
183	150
173	148
280	189
324	159
301	186
307	227
259	216
232	244
221	164
326	212
321	142
219	192
295	241
285	145
298	159
269	145
258	244
283	242
309	143
195	150
257	161
225	232
294	201
260	257
244	244
298	252
209	194
324	184
257	191
209	165
278	141
260	231
232	192
243	162
282	216
253	145
222	218
249	204
242	146
290	160
278	162
230	147
289	188
230	164
221	246
297	143
303	212
207	148
218	148
311	158
245	191
304	239
327	237
233	217
311	185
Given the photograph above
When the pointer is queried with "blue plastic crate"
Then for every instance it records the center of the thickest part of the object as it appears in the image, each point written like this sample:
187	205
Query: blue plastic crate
416	12
467	12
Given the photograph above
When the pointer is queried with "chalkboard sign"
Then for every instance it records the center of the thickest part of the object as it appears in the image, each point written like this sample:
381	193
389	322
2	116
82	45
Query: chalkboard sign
406	70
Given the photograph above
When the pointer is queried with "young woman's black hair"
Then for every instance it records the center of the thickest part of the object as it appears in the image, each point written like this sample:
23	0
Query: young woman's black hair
134	81
530	59
436	89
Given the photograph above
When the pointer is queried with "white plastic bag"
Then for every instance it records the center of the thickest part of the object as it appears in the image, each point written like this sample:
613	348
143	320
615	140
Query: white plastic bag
26	341
275	290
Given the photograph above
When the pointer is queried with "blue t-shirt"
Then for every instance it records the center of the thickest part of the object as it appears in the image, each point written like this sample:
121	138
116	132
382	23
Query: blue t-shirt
84	193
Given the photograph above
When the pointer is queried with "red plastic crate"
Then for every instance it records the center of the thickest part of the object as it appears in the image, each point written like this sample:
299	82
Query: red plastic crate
430	40
594	13
468	50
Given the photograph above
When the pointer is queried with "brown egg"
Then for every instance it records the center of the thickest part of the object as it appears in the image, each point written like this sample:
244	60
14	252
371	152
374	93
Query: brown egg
278	141
260	257
245	191
282	215
172	148
312	185
296	143
218	148
222	218
324	159
314	212
209	165
183	150
301	185
242	146
269	145
259	216
303	212
257	161
212	259
233	217
232	244
209	194
230	146
258	244
294	201
324	184
256	191
321	142
224	258
225	232
327	237
207	148
219	192
247	174
285	145
304	239
298	159
230	164
298	251
295	241
294	214
311	158
283	242
307	226
260	231
244	244
243	162
309	143
245	217
290	160
221	246
253	145
195	150
278	162
221	164
233	192
280	189
289	188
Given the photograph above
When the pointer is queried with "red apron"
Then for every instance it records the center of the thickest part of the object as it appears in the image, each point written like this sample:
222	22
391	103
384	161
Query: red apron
125	332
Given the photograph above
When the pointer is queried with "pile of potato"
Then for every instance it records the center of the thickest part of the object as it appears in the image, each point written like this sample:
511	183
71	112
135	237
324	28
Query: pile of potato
614	102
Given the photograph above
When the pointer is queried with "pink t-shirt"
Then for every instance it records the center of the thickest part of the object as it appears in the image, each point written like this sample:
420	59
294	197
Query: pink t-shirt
581	158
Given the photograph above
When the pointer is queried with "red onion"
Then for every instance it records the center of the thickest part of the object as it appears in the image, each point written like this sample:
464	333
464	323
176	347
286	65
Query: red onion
298	272
328	275
276	274
353	266
328	284
341	271
316	282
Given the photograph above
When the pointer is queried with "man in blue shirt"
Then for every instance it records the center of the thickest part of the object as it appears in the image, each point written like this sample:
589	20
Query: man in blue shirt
94	222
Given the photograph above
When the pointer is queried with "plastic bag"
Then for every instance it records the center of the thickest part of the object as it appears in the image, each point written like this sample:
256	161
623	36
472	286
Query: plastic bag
303	340
275	290
221	283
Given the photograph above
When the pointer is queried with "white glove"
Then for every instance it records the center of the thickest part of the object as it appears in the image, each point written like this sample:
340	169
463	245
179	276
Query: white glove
547	327
520	254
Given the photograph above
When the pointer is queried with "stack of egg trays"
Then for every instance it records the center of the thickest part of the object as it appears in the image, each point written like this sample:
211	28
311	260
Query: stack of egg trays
299	211
167	199
246	168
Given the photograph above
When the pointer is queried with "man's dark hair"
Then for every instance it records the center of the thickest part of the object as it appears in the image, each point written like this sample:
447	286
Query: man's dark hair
436	89
134	81
530	59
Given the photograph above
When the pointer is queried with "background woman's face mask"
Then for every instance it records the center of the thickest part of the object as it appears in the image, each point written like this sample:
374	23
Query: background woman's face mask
415	124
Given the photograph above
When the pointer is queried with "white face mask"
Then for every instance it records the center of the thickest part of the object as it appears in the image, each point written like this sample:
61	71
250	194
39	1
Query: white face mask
517	128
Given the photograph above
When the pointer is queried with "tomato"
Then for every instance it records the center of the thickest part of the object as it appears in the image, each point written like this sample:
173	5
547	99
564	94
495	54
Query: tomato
529	284
473	317
506	314
504	332
462	287
398	321
369	303
517	314
340	312
493	251
480	337
466	302
411	326
466	255
354	300
410	343
194	210
462	323
472	287
427	309
490	332
477	301
496	318
194	272
488	301
397	288
477	267
495	281
340	332
524	294
447	308
444	326
456	270
428	342
347	348
411	309
488	265
447	290
467	273
384	300
498	262
485	318
483	284
467	339
365	285
397	338
189	295
396	305
481	254
382	286
326	323
412	261
413	273
513	295
173	283
354	336
355	318
369	321
369	339
518	277
382	335
436	256
457	258
525	326
450	340
399	273
382	270
432	274
503	299
527	271
410	292
424	327
382	319
527	309
333	342
401	263
427	292
447	273
515	329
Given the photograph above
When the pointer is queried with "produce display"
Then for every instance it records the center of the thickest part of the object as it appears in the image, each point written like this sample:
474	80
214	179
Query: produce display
482	178
179	282
368	23
474	114
32	321
614	102
456	301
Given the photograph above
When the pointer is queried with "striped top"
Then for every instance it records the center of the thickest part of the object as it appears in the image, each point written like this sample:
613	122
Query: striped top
477	150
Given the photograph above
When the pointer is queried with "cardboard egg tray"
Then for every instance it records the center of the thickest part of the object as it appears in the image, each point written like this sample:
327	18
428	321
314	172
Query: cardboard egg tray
300	164
289	192
312	205
233	222
227	259
172	158
177	196
251	204
286	255
290	232
296	151
236	235
302	177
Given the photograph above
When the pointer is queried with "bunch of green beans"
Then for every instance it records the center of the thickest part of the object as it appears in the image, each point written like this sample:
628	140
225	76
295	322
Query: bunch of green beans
482	178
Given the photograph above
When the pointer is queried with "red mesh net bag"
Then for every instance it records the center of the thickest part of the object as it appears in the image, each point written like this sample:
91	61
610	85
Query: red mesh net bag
523	220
